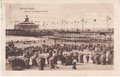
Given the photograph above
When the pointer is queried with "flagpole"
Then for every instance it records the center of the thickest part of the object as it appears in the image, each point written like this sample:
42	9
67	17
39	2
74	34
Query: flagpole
94	24
107	22
82	24
108	18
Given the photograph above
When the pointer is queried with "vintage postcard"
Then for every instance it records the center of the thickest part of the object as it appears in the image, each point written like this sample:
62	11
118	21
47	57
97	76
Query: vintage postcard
59	37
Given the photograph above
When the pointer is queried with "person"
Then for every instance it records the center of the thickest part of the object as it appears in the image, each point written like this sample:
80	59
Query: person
92	58
56	59
87	58
110	58
74	62
49	56
97	58
103	58
40	61
18	64
33	58
63	59
10	60
26	60
82	58
51	62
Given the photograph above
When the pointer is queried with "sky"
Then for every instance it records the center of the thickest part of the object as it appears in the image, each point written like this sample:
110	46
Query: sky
62	15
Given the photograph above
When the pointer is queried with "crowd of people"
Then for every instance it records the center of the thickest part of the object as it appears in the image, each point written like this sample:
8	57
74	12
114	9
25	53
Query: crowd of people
66	54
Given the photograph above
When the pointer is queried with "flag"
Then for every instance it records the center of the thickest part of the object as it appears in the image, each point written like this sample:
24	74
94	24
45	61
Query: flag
94	20
85	21
82	20
43	23
108	18
74	21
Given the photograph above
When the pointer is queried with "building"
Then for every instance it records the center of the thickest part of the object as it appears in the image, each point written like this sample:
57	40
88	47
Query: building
26	25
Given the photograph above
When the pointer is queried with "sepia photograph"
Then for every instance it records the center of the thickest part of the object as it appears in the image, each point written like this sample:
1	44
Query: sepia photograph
60	36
